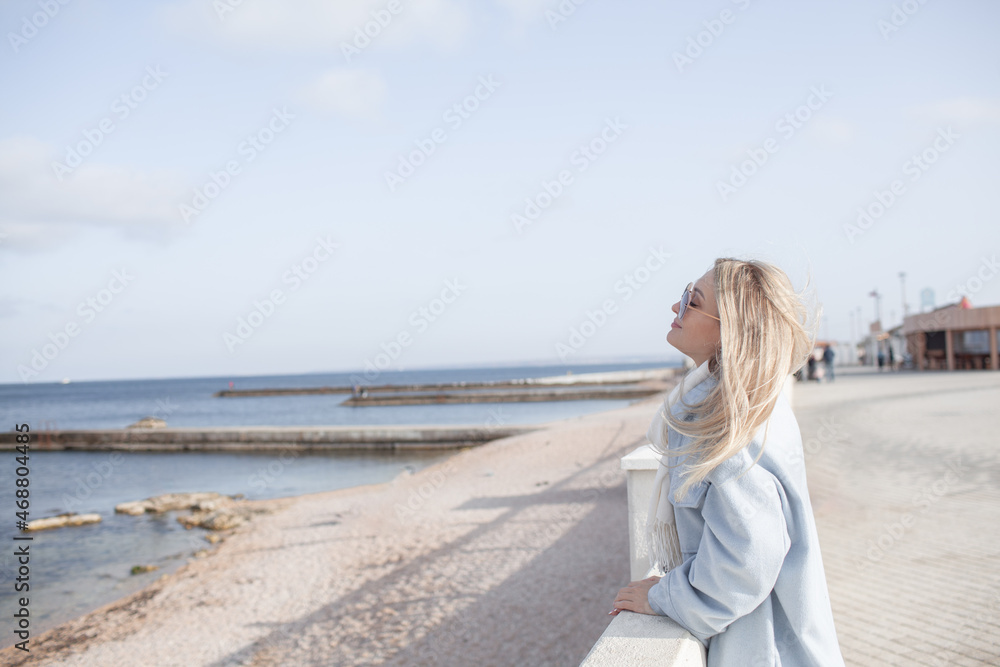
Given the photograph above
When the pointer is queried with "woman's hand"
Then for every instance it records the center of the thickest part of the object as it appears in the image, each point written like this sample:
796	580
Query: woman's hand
634	597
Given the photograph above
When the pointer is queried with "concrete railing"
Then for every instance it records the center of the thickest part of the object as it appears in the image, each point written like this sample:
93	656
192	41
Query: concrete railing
636	640
641	639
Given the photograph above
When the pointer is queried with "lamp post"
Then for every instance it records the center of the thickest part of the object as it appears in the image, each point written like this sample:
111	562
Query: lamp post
878	306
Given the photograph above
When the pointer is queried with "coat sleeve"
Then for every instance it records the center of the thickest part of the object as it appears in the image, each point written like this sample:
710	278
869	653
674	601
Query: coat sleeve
742	547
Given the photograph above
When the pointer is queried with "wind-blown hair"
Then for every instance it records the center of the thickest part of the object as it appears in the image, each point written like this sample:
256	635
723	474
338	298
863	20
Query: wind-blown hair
767	333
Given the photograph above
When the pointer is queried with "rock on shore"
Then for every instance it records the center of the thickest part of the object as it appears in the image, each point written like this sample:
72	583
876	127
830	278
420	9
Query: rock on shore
169	502
212	511
223	514
60	520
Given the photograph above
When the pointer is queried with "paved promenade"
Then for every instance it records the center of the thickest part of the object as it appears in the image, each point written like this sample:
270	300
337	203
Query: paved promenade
904	474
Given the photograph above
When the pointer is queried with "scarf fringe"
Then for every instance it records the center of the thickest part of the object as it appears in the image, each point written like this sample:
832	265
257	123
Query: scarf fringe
665	547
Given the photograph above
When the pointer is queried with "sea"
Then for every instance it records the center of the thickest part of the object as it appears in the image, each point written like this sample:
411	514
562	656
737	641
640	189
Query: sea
75	570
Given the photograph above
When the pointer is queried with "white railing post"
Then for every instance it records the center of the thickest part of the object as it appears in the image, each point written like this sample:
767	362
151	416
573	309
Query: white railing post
640	470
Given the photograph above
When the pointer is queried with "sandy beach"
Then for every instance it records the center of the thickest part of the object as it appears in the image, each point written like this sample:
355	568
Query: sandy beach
508	553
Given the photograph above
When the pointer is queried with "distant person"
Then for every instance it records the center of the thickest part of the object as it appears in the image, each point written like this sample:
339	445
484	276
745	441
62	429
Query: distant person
828	360
811	365
749	585
892	359
881	359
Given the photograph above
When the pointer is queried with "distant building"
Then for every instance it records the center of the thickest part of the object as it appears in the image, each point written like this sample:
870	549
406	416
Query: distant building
956	336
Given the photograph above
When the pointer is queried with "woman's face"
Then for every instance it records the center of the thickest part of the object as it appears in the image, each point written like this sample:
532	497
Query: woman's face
698	335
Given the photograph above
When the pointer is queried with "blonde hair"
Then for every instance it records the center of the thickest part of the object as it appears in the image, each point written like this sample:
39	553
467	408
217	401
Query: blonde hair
766	334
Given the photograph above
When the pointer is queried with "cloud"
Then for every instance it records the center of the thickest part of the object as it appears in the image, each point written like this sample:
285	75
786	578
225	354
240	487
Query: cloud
318	25
832	130
357	94
32	197
962	110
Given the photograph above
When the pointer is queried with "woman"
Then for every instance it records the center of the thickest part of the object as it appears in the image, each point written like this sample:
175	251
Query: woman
731	524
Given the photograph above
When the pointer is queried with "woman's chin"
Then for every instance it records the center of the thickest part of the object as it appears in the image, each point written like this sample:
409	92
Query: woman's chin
671	341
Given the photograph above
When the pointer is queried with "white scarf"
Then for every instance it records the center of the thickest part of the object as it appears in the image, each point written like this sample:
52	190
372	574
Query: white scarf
661	528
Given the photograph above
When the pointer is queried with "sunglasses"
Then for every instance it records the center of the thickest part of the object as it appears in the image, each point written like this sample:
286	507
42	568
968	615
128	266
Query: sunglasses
686	303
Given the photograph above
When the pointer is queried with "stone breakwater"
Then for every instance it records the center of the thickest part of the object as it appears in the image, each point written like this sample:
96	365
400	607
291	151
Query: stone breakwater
271	438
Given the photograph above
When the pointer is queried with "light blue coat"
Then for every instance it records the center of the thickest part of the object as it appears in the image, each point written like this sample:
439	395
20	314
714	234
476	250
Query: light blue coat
751	584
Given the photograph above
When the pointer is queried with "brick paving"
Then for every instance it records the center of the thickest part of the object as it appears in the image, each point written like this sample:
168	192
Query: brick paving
904	474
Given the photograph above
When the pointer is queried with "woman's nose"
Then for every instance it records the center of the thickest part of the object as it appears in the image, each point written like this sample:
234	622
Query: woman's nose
676	307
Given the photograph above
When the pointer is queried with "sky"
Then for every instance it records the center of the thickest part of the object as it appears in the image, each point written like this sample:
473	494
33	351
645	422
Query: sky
198	188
